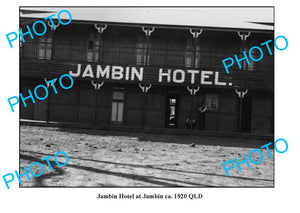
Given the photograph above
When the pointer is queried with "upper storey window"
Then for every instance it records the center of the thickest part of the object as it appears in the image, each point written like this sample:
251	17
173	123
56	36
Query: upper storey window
192	54
45	46
142	56
41	48
93	47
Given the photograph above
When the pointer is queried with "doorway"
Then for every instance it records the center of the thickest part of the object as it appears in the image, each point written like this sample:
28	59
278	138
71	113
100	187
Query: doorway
246	114
172	101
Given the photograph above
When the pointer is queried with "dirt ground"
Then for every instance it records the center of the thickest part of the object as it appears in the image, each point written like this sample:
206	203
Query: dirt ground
113	159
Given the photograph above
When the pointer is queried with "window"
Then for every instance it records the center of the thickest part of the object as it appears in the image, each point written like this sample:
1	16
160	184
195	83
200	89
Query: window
244	63
45	46
189	54
197	57
141	52
255	54
93	47
117	108
212	102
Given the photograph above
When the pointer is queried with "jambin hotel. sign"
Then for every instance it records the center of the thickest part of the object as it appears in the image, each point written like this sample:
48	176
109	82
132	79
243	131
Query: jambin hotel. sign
131	73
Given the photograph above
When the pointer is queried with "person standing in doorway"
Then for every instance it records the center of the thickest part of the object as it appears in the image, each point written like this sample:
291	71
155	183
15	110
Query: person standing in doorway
190	122
202	109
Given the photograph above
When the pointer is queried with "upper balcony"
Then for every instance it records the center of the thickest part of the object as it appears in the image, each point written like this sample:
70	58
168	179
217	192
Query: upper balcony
135	56
61	50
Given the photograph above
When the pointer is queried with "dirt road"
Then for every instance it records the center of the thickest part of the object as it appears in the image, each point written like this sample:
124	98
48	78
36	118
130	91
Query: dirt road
112	159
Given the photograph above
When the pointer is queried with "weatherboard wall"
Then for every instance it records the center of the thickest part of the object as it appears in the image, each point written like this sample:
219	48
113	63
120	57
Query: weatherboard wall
167	50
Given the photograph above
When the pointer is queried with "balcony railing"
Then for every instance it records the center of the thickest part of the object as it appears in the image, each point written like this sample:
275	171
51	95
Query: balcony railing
128	55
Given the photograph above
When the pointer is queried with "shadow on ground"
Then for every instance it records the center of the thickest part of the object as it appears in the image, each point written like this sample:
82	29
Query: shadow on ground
163	182
173	138
39	181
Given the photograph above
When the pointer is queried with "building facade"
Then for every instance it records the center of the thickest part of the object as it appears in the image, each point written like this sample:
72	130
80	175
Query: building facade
151	76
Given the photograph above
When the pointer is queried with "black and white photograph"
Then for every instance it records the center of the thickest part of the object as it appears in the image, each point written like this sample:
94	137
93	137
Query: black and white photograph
147	96
153	106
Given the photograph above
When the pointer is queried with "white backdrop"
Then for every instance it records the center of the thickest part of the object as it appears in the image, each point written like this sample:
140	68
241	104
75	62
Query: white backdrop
281	198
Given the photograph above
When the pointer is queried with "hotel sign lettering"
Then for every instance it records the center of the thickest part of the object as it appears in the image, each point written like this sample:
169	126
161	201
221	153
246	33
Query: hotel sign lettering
149	75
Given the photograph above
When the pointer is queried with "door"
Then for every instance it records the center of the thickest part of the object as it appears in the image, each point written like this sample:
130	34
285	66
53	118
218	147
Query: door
117	107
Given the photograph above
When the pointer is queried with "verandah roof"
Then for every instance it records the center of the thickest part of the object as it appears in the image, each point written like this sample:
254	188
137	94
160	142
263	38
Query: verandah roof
219	18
